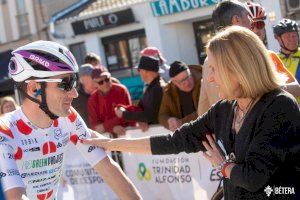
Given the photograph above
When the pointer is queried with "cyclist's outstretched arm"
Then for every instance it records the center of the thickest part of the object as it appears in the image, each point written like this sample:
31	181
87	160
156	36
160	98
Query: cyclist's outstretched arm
16	194
113	175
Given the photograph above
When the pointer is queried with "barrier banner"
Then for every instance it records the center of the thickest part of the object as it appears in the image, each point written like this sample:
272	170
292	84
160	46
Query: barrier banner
84	180
182	176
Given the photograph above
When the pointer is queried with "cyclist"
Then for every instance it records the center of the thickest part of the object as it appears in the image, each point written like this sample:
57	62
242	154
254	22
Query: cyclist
286	33
33	138
258	17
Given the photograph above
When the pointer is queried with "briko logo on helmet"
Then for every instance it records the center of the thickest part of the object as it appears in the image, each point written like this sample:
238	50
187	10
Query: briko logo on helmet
39	60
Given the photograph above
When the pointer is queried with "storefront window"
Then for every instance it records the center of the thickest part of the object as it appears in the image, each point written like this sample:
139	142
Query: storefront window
79	52
122	51
204	30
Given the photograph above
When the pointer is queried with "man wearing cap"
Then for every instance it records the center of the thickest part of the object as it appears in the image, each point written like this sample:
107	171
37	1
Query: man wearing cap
102	102
154	52
180	96
85	88
149	71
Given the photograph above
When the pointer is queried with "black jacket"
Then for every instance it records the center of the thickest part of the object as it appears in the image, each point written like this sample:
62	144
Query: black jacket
267	146
150	103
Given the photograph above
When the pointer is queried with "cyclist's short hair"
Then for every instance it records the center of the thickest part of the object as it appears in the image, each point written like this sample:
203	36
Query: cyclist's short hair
92	58
224	11
239	51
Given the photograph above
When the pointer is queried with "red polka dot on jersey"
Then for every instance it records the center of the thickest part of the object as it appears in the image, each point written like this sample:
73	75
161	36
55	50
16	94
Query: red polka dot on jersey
19	154
5	130
55	123
49	147
45	196
74	139
23	127
73	115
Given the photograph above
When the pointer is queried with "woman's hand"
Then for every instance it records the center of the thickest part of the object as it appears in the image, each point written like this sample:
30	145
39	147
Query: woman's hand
119	112
97	140
212	154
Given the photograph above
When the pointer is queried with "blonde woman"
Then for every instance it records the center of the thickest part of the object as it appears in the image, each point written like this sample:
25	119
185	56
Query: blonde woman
252	136
7	104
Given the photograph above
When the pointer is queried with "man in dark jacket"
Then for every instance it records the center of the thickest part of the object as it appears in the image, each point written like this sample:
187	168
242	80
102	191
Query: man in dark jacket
180	98
149	104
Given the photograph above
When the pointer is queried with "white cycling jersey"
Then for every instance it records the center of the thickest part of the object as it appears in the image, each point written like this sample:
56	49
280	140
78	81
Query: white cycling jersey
32	157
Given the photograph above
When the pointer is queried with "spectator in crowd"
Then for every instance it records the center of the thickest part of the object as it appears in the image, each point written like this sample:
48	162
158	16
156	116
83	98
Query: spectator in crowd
229	13
93	59
85	88
225	13
155	53
148	69
180	97
256	124
287	34
7	104
102	102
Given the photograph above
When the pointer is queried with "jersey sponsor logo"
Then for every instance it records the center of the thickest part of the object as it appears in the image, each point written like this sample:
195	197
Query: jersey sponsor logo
39	60
42	186
78	124
9	156
2	174
40	173
41	179
33	149
59	145
13	172
83	135
43	162
65	141
29	141
91	148
58	134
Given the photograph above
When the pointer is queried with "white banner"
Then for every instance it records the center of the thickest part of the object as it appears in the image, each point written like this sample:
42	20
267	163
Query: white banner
182	176
84	181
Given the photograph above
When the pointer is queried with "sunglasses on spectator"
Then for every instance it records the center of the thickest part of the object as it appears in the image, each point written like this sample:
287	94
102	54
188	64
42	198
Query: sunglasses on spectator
258	24
64	84
106	80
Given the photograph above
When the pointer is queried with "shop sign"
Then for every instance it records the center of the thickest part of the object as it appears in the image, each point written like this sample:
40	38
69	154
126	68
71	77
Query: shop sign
168	7
103	22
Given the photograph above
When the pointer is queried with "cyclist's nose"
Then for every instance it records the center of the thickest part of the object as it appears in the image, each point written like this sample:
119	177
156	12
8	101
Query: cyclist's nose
73	93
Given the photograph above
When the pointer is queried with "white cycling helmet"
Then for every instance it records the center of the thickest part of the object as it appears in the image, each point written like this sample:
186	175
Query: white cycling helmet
41	59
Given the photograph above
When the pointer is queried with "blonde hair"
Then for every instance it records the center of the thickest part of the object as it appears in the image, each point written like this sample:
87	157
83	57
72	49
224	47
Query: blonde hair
239	51
5	100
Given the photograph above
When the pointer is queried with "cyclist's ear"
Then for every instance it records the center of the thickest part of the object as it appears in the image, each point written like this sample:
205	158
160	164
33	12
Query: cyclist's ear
33	89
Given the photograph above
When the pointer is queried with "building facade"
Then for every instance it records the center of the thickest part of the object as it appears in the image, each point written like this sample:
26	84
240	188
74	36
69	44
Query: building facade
118	29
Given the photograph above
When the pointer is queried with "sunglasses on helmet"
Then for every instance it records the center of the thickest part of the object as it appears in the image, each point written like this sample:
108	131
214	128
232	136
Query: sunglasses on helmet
64	84
106	80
